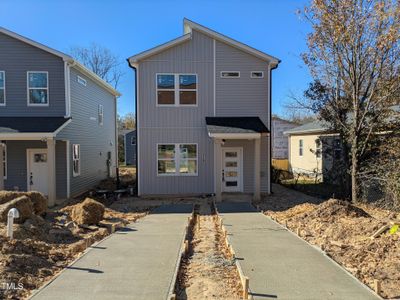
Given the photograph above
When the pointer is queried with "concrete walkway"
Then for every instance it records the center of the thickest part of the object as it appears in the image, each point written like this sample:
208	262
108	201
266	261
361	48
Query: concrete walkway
136	263
281	265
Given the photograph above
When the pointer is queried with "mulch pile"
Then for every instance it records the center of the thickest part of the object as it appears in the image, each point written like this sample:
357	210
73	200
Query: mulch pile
344	232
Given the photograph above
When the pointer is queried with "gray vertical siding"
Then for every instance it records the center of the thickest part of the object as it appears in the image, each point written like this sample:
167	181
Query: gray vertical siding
176	124
16	58
17	165
130	150
244	96
95	140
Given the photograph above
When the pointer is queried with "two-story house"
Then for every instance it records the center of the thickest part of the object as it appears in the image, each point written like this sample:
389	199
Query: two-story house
203	116
57	121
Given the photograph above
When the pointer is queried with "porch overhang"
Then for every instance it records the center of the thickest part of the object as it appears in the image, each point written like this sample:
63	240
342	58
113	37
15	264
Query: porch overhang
236	127
31	128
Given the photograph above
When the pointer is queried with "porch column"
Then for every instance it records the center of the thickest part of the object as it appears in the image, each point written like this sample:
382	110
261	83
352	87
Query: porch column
257	168
1	167
218	169
51	165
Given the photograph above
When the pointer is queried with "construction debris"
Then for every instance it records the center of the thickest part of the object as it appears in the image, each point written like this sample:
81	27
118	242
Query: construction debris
88	212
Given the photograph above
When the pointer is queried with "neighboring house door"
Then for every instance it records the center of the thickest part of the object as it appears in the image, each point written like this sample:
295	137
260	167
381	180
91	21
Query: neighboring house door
232	171
37	170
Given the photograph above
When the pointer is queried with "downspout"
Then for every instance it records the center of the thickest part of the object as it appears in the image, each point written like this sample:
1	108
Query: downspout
270	125
136	126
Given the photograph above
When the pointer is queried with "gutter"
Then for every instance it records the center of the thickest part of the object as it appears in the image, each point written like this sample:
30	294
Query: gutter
136	125
270	124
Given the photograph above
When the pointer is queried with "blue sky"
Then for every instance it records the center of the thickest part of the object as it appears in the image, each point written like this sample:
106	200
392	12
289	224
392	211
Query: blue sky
128	27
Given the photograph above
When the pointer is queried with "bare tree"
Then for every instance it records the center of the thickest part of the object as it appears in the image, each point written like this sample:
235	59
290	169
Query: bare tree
353	57
100	61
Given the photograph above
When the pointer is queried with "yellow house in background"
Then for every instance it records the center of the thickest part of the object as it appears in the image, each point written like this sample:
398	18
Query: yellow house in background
313	150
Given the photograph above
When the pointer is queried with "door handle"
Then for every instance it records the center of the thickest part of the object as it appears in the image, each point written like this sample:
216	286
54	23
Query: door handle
31	179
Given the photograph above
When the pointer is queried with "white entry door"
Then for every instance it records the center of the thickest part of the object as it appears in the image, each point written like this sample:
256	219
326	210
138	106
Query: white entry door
37	170
232	174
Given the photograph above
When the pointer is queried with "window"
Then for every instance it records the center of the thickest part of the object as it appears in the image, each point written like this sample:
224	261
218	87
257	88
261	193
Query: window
38	88
176	89
230	74
318	148
177	159
300	147
2	88
257	74
82	81
337	149
101	114
4	159
76	160
133	140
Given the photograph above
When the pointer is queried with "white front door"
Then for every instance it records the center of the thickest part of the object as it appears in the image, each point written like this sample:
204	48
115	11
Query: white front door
37	170
232	159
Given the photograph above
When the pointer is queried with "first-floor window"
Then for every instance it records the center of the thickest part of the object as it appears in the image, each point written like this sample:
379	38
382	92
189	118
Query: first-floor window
318	148
300	147
177	159
4	160
76	160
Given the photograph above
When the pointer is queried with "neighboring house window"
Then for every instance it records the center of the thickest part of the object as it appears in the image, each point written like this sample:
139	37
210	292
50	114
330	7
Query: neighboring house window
38	88
257	74
2	88
133	140
76	160
177	159
82	81
4	159
101	114
318	148
300	147
176	89
337	149
230	74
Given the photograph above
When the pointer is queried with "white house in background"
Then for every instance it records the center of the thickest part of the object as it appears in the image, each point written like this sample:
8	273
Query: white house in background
280	144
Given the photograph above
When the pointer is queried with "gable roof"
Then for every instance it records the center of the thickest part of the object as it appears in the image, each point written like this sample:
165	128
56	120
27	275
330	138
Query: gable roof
65	57
312	127
188	26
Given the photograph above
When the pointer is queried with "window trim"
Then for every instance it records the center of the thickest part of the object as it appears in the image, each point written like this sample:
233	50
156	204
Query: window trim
4	163
76	174
100	112
230	77
28	88
81	80
301	147
255	77
177	160
4	88
176	90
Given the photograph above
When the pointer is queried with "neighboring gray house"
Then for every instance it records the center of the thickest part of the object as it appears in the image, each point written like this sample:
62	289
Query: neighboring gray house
203	115
57	121
280	146
130	147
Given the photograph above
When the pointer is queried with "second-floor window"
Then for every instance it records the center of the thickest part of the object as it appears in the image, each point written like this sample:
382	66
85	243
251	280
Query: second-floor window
2	88
38	88
176	89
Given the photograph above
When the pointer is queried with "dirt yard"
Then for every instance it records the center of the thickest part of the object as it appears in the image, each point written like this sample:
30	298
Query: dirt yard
344	232
44	245
210	271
